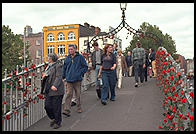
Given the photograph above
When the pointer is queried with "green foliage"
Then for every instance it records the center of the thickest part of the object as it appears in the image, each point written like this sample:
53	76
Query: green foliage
159	39
12	49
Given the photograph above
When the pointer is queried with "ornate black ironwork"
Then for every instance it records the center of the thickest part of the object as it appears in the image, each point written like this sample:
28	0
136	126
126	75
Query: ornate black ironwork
138	33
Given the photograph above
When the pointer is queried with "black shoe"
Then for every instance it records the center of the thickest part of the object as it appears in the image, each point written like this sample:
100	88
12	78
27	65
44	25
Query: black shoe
73	103
56	126
103	102
52	122
67	113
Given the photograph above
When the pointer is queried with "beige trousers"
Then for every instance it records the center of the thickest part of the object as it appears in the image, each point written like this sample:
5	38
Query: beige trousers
130	70
119	76
154	68
73	87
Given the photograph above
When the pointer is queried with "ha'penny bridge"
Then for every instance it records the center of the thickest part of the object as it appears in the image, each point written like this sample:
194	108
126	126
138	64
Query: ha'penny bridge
163	102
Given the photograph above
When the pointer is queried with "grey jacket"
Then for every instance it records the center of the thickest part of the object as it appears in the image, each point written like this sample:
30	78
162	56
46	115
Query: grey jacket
94	58
55	79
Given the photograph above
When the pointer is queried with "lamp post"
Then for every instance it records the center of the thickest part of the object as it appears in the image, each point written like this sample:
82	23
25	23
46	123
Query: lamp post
123	7
24	47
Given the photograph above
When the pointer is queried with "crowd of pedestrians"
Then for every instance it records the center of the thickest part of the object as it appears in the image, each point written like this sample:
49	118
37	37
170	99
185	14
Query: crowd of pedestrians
110	66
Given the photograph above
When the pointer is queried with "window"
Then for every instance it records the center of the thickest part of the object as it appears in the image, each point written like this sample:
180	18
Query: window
71	36
85	42
50	37
38	42
61	50
38	53
50	49
61	37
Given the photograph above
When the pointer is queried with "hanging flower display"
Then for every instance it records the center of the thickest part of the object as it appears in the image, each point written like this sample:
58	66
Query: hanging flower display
178	100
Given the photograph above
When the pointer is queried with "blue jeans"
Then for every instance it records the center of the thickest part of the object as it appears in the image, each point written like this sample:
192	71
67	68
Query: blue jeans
109	82
97	72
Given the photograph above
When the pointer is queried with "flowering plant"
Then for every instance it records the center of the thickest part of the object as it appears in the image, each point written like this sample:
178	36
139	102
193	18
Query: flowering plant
178	100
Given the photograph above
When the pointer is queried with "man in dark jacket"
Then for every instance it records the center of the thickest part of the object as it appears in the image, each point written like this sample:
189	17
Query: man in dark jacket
53	90
74	69
96	60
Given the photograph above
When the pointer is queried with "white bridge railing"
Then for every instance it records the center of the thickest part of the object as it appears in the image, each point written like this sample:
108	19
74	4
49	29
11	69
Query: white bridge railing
22	103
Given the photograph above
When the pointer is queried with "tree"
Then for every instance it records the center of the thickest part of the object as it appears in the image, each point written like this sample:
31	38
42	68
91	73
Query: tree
12	49
153	38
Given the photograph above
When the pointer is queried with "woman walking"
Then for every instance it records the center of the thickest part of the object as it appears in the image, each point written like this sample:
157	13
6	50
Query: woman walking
107	70
121	67
53	90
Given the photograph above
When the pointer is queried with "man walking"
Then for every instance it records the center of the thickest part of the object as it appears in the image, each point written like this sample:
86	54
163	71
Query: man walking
129	63
74	69
96	61
139	60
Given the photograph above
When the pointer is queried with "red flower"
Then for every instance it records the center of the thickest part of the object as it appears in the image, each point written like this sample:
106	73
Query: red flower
172	78
180	115
27	84
7	117
191	94
164	72
182	92
160	127
165	63
172	69
176	95
178	74
4	102
165	120
184	100
33	66
26	69
191	118
174	110
180	82
173	89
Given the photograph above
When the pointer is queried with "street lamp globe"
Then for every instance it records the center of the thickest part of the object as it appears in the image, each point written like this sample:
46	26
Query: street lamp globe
123	6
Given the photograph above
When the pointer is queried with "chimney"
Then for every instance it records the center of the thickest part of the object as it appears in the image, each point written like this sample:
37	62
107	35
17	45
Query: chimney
86	24
97	30
28	30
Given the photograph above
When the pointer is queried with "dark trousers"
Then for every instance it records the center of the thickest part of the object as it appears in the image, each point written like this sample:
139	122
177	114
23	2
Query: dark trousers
109	82
53	106
138	71
145	73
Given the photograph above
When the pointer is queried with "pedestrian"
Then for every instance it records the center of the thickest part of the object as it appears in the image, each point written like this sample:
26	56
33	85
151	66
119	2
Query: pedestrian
147	64
107	71
96	62
121	67
129	63
53	90
153	62
139	60
74	69
115	49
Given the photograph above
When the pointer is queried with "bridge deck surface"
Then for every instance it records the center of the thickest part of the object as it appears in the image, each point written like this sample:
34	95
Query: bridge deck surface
135	109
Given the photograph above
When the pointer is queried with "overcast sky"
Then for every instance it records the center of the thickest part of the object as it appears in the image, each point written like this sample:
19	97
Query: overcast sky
176	19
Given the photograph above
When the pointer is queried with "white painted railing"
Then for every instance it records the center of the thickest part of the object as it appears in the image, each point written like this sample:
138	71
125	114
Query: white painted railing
22	104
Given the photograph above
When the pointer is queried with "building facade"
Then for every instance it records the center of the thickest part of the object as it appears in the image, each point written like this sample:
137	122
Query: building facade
58	38
34	43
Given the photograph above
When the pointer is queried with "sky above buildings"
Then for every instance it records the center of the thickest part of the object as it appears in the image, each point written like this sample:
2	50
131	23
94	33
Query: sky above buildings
175	19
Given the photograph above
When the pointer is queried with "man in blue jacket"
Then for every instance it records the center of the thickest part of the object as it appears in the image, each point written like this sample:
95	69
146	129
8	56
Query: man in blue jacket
74	69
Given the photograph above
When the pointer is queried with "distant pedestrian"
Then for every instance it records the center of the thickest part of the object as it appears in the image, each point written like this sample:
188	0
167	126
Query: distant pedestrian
153	62
139	60
96	62
129	63
107	71
121	68
74	69
115	49
53	90
146	68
